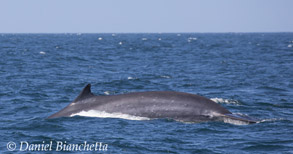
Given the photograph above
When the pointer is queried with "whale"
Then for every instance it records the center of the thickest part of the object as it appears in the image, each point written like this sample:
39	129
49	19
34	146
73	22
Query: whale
178	106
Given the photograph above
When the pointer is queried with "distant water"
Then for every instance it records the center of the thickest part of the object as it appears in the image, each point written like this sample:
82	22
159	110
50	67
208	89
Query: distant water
248	73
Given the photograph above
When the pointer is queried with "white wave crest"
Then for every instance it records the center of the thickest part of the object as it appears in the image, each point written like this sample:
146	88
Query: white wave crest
166	76
235	122
270	120
107	92
131	78
103	114
235	119
225	101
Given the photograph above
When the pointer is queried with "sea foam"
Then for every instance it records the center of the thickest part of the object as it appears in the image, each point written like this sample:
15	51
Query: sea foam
225	101
103	114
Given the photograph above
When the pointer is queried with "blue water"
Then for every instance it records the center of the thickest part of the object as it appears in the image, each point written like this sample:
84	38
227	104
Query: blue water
247	73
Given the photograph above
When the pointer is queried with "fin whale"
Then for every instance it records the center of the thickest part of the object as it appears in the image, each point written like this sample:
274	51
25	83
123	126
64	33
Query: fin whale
154	104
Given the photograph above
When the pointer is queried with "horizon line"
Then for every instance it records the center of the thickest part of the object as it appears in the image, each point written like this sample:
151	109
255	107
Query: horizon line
137	32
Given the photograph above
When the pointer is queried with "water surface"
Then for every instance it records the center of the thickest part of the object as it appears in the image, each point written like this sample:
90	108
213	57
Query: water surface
247	73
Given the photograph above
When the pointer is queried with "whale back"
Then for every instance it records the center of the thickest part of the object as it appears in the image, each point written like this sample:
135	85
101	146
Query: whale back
153	104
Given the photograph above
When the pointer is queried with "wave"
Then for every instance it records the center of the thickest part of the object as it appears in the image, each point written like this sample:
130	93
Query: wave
235	122
225	101
239	119
103	114
270	120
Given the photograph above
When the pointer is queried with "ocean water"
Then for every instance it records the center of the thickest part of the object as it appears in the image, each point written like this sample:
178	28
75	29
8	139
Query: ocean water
247	73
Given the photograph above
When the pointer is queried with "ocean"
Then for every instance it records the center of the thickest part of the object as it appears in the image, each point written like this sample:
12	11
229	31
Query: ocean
247	73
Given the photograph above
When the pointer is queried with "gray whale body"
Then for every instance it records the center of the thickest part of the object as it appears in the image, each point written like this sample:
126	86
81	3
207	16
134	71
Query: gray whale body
154	104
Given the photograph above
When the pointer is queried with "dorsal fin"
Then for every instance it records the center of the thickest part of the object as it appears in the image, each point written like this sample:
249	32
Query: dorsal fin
85	93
